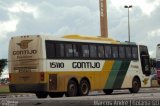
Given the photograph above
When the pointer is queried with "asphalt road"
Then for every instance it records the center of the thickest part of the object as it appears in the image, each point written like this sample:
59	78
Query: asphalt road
146	97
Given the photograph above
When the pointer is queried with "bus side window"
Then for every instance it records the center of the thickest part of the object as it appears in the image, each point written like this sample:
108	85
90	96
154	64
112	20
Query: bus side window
85	51
128	52
134	53
121	52
50	50
108	52
68	50
93	51
59	50
115	51
76	50
100	51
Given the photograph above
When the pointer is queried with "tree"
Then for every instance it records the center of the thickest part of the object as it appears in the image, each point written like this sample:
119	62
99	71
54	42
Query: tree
3	63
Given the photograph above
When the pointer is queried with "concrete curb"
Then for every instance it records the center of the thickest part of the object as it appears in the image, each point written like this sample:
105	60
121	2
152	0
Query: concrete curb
12	95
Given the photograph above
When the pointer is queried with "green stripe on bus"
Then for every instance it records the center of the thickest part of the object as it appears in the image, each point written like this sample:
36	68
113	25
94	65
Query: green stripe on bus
113	74
121	74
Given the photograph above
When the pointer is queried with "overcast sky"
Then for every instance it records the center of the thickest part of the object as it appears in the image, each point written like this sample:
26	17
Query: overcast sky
60	17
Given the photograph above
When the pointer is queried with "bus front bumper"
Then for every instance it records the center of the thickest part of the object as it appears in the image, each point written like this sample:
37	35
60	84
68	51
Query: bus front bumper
30	88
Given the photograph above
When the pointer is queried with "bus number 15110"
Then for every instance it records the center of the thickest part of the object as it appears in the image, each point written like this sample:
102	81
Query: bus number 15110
56	65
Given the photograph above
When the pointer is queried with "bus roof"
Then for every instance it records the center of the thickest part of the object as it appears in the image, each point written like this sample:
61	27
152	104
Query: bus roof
88	38
77	38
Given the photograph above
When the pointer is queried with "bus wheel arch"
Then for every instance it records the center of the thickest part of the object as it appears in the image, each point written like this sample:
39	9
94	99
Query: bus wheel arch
84	87
136	85
72	87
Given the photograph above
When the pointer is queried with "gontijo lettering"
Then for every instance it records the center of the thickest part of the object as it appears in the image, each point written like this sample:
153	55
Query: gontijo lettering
86	65
24	52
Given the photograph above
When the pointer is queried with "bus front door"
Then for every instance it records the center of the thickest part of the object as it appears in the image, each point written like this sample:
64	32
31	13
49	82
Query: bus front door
145	62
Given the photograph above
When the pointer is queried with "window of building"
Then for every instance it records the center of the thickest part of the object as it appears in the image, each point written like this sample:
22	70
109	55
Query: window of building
121	52
128	52
93	51
85	50
100	51
68	50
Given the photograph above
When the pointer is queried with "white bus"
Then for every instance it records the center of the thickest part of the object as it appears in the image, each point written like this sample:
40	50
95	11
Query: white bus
158	63
74	65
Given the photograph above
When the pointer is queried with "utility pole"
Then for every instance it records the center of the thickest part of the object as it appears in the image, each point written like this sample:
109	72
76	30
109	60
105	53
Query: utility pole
129	35
103	18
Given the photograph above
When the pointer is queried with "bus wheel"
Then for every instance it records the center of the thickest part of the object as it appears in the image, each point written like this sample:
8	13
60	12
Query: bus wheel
84	88
136	84
41	94
56	94
108	91
72	88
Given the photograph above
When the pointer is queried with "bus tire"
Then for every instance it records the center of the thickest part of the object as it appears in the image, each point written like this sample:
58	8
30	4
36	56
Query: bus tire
56	94
41	94
108	91
72	88
84	87
136	84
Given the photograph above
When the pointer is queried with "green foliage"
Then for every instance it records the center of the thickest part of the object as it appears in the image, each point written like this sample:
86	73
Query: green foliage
3	63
